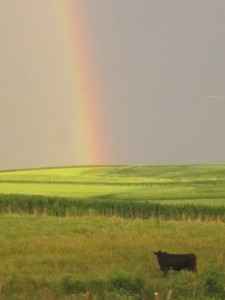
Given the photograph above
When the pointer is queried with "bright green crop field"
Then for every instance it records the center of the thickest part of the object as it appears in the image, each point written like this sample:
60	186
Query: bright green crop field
167	184
90	232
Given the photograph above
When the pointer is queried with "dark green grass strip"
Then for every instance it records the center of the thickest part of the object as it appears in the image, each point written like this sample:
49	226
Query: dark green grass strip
58	206
207	183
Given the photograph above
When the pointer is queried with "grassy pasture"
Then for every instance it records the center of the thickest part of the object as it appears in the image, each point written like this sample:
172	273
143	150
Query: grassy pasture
109	221
39	253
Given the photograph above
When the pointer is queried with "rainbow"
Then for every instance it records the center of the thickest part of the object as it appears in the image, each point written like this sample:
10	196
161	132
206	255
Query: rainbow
89	147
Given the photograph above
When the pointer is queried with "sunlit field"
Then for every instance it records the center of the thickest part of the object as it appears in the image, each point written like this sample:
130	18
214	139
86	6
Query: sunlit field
90	232
167	184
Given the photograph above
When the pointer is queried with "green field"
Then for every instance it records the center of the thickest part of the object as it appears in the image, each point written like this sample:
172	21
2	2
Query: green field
67	232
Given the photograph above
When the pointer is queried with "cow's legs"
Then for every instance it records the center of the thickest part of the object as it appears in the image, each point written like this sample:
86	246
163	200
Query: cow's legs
165	270
192	269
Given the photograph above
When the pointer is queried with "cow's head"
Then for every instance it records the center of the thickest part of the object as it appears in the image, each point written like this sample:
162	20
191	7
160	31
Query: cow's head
159	253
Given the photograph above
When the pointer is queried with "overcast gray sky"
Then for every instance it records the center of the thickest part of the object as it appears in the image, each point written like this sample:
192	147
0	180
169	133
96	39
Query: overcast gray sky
160	70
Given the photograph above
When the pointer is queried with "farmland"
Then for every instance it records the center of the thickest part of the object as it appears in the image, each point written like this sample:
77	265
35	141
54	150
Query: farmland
69	231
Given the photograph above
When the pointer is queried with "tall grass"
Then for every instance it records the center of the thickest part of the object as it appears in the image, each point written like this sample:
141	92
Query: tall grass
58	206
46	257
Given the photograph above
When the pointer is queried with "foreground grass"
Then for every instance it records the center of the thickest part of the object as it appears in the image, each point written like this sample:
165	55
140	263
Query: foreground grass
55	257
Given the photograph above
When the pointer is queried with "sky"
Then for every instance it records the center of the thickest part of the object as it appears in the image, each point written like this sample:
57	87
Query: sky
111	82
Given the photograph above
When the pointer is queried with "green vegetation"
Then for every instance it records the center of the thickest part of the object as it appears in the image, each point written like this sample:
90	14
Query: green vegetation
108	206
177	192
55	257
71	233
60	256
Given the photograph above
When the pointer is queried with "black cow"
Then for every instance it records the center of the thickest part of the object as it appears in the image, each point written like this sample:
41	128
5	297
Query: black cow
176	262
